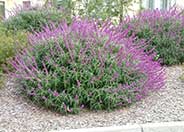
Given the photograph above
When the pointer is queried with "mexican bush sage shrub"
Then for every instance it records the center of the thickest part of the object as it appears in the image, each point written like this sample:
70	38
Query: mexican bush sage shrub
163	30
82	65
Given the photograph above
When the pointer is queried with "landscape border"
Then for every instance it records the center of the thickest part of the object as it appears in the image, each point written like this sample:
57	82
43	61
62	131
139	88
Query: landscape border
148	127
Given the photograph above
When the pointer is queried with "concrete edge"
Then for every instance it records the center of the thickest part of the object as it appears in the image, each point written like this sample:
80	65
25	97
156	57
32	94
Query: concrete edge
148	127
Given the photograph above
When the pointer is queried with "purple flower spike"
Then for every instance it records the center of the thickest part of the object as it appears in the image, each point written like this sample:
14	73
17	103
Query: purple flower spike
55	93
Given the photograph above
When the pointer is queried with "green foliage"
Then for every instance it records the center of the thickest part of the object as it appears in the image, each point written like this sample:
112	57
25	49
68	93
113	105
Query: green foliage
68	6
35	19
10	42
100	9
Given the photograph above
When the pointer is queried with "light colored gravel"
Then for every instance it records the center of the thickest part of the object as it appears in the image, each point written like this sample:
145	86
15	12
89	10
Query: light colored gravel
18	114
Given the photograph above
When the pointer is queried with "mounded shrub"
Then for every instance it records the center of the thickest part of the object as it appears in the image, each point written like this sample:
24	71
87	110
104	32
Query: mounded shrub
34	19
69	68
163	30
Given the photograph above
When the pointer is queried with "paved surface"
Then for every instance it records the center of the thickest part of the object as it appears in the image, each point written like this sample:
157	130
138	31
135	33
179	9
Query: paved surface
164	127
17	114
150	127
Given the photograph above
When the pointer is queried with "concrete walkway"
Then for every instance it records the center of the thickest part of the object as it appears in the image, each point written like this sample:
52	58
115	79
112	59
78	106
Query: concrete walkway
150	127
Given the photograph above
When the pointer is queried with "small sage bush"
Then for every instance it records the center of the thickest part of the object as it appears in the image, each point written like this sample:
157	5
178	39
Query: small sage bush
82	65
163	30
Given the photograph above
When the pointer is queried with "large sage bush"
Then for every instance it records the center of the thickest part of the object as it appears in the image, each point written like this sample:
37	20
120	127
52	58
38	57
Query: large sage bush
82	65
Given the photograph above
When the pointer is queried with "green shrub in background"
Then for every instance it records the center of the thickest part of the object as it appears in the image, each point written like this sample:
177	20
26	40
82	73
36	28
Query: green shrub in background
35	19
98	9
10	42
106	9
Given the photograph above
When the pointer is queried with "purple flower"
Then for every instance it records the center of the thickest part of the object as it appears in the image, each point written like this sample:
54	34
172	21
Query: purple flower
129	100
76	97
55	93
82	106
44	98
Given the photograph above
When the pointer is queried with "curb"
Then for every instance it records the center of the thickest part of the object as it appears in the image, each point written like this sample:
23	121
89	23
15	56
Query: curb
149	127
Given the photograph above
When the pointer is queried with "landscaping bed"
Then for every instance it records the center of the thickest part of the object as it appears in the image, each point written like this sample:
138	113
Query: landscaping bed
66	73
19	114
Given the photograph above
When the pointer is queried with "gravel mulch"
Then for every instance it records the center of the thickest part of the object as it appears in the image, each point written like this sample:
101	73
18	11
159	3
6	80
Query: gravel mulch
18	114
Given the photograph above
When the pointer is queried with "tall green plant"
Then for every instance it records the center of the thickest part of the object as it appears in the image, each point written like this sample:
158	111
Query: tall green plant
67	5
104	9
100	9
